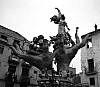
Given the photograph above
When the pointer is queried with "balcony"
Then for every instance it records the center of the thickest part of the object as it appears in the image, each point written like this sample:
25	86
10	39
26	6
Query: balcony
2	41
13	60
90	72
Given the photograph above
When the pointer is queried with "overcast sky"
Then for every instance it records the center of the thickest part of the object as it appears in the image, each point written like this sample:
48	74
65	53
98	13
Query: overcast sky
32	18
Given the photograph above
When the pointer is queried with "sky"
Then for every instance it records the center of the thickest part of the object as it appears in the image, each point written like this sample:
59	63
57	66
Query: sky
31	18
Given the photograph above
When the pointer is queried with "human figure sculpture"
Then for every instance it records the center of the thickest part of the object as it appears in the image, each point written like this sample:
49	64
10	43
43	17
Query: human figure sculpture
35	48
63	55
40	61
60	20
66	53
63	52
67	48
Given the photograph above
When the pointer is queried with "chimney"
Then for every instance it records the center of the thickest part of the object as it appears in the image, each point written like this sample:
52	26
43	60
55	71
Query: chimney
95	27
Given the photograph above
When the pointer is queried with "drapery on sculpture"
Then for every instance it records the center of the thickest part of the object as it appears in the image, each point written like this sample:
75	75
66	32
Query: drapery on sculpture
65	48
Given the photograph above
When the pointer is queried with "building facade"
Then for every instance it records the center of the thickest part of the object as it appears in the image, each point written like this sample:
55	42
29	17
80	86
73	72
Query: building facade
90	60
11	63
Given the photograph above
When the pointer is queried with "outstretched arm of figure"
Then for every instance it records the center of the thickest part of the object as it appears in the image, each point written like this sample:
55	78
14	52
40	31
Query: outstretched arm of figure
41	61
76	36
81	44
59	13
22	55
33	52
33	60
74	49
72	42
85	40
67	26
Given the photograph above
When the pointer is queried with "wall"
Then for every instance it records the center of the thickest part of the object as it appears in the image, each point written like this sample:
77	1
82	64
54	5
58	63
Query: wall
88	53
11	36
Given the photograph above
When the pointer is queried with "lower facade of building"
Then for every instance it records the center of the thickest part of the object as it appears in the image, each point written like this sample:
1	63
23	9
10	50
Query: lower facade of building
91	80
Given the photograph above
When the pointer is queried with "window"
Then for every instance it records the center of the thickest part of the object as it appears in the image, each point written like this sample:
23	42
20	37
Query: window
92	81
89	44
3	37
0	63
16	42
90	65
35	72
1	49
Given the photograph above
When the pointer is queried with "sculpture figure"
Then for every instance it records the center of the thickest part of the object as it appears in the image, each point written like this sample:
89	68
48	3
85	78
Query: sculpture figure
65	48
60	20
66	53
41	60
63	43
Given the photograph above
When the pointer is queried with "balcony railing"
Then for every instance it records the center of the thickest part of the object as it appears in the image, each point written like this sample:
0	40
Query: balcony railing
2	41
90	72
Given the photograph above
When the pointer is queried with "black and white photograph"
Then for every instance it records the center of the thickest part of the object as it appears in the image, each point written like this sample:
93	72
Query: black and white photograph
49	43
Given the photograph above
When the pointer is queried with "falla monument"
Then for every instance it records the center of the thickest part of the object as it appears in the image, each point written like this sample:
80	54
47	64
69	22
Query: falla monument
64	50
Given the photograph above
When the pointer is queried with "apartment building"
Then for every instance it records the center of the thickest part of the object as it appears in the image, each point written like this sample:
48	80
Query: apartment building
90	60
9	62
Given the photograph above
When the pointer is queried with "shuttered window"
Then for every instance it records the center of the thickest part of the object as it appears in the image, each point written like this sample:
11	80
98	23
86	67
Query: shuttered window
1	49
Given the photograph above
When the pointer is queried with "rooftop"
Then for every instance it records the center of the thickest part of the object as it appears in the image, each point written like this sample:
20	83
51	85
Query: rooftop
91	33
5	31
